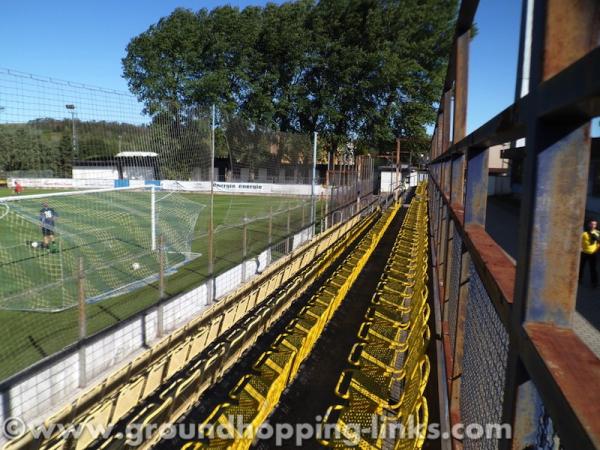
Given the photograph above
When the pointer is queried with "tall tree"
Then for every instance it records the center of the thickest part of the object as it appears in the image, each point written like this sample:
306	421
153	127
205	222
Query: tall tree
360	70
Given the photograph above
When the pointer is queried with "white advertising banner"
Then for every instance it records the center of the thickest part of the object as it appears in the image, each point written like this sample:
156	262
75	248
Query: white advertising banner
173	185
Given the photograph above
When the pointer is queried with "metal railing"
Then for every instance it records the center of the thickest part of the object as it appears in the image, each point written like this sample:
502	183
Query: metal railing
511	355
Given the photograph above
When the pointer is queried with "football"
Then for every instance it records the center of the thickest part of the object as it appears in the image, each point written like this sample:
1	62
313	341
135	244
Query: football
135	266
34	244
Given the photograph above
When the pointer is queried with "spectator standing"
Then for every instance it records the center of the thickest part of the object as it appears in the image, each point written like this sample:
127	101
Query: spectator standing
590	243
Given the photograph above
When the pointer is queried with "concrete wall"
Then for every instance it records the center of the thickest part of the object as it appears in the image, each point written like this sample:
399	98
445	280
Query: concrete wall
495	161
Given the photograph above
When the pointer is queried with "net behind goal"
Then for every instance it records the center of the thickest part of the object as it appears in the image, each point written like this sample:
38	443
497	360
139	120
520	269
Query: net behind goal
115	231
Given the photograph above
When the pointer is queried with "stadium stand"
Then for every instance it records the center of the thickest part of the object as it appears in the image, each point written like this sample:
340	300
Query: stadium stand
257	393
391	368
155	388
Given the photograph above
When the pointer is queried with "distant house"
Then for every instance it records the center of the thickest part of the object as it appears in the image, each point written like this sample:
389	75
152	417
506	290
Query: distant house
124	166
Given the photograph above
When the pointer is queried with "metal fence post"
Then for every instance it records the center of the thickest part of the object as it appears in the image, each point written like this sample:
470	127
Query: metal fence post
161	286
244	246
288	228
555	179
82	322
161	267
211	238
477	186
270	225
322	215
81	299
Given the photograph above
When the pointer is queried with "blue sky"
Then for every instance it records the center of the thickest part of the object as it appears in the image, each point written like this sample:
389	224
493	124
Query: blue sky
84	41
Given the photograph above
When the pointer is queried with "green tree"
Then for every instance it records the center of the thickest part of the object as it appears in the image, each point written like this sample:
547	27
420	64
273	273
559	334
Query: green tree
65	156
362	70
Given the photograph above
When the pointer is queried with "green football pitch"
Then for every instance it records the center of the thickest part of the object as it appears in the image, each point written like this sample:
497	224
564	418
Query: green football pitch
110	234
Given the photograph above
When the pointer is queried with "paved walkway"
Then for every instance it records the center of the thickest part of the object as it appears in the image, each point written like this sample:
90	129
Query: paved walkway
502	225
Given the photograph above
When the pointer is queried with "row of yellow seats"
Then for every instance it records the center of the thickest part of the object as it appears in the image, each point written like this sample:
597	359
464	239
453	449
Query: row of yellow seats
188	386
110	400
390	367
257	393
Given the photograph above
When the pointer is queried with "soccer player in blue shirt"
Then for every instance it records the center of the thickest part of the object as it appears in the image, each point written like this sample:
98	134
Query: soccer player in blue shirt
48	217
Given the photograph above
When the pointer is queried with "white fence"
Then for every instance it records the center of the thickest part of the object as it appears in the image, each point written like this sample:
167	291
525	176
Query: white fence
188	186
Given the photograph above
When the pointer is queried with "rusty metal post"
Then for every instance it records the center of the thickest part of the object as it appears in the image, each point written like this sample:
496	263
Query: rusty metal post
457	200
459	336
446	120
461	87
440	206
555	177
458	181
444	234
476	186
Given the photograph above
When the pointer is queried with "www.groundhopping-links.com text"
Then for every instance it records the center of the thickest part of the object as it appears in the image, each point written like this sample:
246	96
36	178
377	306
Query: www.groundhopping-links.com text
281	433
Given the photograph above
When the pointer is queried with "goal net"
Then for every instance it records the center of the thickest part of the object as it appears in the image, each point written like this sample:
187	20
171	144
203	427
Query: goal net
116	232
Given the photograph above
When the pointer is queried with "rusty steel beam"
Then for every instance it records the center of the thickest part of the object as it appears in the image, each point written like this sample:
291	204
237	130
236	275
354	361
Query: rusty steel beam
506	126
464	22
553	217
581	99
565	370
446	122
513	153
439	134
555	174
580	102
458	180
477	186
459	335
571	31
536	302
552	212
495	268
461	87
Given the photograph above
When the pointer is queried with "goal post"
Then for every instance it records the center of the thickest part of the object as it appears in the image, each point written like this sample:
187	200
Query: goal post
153	217
114	231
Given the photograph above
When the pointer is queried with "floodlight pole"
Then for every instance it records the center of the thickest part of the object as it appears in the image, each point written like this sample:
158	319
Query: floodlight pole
71	108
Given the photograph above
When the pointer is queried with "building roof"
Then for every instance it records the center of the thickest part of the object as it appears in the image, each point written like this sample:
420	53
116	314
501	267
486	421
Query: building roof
136	155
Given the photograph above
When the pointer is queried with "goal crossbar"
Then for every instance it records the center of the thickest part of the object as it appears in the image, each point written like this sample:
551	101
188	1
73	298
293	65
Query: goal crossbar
15	198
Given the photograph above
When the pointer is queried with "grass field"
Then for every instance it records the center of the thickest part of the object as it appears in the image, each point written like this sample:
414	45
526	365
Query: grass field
26	337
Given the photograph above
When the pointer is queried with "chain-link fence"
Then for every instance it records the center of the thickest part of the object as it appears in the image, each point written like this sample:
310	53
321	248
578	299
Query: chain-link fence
109	210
